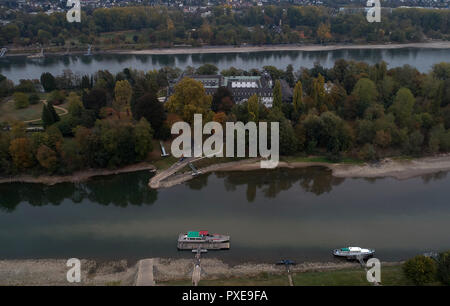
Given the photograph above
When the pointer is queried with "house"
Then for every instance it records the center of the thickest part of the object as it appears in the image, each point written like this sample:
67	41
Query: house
242	87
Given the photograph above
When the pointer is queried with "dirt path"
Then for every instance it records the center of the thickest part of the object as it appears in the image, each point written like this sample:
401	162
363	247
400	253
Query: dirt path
64	112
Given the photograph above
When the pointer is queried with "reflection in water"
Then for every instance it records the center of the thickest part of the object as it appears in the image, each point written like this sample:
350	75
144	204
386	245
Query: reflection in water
316	180
120	190
19	67
270	214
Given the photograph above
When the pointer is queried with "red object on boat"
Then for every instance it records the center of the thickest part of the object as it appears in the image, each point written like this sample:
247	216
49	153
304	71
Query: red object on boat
203	233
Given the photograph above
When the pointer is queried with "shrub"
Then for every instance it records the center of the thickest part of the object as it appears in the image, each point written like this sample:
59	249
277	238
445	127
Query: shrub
34	98
20	100
420	270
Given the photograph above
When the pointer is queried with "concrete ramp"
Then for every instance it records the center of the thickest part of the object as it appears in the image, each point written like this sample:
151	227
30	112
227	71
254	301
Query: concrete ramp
145	273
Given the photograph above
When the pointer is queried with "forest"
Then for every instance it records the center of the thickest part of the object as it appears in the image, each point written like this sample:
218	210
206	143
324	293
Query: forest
353	110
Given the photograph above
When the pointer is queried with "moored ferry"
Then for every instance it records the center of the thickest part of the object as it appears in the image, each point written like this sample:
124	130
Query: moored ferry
353	252
202	237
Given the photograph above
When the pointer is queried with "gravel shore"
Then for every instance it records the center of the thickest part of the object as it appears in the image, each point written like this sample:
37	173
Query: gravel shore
95	273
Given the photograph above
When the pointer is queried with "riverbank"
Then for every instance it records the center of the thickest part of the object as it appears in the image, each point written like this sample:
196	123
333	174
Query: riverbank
296	47
240	49
76	177
165	271
400	169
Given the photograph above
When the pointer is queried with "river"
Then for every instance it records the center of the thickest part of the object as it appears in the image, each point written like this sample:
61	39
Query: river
301	214
19	67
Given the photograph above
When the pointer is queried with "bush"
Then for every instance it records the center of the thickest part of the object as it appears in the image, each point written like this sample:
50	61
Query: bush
20	100
34	98
420	270
443	269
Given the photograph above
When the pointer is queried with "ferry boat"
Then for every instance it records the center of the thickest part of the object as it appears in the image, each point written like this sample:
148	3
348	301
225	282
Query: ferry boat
353	252
202	237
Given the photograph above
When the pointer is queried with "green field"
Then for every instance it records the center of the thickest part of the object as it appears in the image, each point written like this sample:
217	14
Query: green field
390	276
8	111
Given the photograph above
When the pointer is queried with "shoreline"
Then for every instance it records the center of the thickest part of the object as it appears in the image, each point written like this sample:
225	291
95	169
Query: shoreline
38	272
397	169
266	48
250	48
78	176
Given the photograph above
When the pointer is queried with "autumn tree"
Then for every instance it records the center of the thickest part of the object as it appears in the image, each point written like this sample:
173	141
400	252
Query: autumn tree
318	92
323	32
47	158
222	100
122	96
21	153
188	99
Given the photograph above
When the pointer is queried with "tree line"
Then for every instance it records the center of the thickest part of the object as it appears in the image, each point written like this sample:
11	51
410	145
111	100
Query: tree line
162	26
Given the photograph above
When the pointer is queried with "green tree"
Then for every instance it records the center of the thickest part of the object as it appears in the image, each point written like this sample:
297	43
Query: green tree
57	97
75	107
20	100
277	98
366	95
207	69
48	81
143	134
253	108
34	98
420	270
297	99
403	107
152	110
49	115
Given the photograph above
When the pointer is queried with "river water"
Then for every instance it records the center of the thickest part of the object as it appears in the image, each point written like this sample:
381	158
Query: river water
19	67
301	214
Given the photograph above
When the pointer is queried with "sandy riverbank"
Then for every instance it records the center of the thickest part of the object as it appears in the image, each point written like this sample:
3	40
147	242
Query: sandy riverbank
53	271
399	169
233	49
76	177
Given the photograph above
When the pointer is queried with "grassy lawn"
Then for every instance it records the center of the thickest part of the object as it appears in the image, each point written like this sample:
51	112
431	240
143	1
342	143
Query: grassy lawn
390	276
9	112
